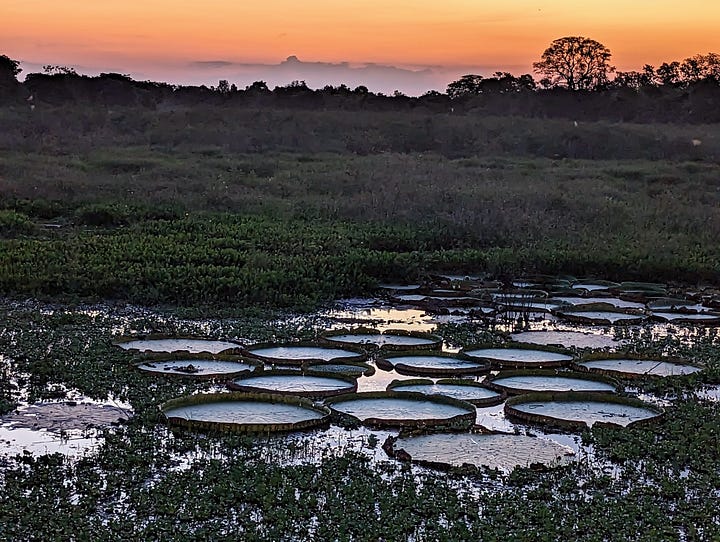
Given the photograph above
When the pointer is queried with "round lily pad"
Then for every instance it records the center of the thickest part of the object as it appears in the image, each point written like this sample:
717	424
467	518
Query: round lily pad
517	382
464	390
244	412
308	384
577	410
432	364
387	340
299	353
494	450
519	356
567	339
403	409
197	367
634	366
169	344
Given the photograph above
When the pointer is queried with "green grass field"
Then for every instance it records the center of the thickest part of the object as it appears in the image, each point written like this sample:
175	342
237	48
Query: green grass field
280	208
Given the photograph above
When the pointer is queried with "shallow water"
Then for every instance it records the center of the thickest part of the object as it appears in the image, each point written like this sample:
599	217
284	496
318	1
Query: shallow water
641	367
302	353
588	412
202	367
457	391
398	409
194	346
518	355
294	383
552	383
244	412
503	452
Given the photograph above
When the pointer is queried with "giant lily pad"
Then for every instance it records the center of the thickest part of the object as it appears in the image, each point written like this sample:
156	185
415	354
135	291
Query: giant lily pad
635	366
387	340
432	364
403	409
517	382
355	369
308	384
463	390
578	410
567	339
687	317
299	353
244	412
200	368
169	344
615	302
519	356
601	314
494	450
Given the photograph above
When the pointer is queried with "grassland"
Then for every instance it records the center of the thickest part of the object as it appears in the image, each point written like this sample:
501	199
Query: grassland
296	207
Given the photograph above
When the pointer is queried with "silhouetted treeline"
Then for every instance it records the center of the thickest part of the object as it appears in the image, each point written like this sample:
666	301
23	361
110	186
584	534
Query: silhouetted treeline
687	92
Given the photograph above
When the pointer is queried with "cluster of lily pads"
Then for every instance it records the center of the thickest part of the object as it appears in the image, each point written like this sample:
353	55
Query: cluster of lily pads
292	386
582	301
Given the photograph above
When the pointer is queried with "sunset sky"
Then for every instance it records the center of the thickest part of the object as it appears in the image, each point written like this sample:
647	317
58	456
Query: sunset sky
431	42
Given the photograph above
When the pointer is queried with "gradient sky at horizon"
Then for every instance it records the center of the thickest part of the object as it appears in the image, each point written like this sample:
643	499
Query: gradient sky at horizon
163	38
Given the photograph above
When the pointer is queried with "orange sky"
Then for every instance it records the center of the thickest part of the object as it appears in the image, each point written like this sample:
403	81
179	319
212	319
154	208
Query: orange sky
139	35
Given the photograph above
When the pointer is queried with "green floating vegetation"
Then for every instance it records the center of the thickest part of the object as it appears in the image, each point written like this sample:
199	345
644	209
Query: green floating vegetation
575	411
391	339
244	413
407	409
457	388
549	381
636	366
165	344
518	355
305	384
442	364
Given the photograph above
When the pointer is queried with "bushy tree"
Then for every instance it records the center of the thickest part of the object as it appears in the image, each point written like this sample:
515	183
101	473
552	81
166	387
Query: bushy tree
9	68
499	83
701	67
575	63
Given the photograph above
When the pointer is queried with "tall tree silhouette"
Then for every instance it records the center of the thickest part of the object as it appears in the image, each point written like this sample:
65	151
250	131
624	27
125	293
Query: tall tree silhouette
576	63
